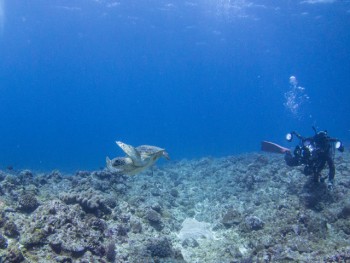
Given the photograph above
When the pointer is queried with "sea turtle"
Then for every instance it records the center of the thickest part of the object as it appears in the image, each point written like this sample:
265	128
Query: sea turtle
136	160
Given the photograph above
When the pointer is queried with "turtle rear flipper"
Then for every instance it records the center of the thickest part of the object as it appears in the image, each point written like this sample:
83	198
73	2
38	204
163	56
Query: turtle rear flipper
132	153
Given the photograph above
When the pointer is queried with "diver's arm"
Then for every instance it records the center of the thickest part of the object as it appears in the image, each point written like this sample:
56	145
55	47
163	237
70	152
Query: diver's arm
297	135
290	160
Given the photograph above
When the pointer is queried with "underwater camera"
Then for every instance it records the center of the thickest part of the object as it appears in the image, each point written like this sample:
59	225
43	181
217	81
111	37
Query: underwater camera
303	153
319	140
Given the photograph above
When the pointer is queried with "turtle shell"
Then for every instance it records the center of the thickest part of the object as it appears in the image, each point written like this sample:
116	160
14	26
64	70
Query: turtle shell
149	150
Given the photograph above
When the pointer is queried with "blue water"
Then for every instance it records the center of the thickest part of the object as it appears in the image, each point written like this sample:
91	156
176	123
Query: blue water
197	77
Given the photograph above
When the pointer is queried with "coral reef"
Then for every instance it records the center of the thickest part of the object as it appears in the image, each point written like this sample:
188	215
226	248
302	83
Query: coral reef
244	208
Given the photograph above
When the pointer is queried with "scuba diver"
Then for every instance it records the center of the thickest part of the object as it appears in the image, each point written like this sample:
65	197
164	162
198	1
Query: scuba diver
313	152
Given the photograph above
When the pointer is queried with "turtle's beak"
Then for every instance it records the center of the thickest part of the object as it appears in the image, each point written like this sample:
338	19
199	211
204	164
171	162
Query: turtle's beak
166	155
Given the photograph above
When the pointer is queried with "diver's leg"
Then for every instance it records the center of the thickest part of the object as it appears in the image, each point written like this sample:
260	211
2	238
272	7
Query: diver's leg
331	167
318	168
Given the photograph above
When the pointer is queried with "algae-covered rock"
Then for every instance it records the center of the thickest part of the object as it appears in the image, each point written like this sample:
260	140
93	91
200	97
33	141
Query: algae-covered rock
122	230
110	251
3	242
345	226
136	226
174	192
10	229
26	176
254	223
97	223
27	202
110	202
345	212
317	227
90	201
14	255
56	245
160	247
96	247
231	217
2	219
36	238
153	216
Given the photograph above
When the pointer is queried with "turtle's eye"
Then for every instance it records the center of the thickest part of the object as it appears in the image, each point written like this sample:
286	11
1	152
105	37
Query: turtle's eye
118	162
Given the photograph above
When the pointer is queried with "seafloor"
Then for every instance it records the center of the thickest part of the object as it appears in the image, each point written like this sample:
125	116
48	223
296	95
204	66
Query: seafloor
244	208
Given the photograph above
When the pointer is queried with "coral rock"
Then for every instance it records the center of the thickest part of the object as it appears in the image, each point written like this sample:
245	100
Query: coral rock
10	229
110	252
34	239
14	255
3	242
345	212
160	247
153	216
232	217
28	202
174	192
136	226
254	223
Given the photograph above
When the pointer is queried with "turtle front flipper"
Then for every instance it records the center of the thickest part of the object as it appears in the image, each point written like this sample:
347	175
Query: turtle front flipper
132	153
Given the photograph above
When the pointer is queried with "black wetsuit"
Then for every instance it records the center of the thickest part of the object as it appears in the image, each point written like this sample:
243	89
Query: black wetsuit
318	153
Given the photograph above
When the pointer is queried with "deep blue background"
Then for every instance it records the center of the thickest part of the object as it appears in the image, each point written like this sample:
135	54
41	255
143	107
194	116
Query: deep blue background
196	77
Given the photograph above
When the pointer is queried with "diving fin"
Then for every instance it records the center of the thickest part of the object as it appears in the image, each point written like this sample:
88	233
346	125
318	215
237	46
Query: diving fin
273	147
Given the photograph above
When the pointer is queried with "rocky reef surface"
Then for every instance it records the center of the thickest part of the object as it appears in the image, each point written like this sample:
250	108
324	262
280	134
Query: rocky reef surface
244	208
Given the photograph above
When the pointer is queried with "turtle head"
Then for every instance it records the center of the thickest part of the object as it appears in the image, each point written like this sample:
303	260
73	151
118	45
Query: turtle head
165	155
